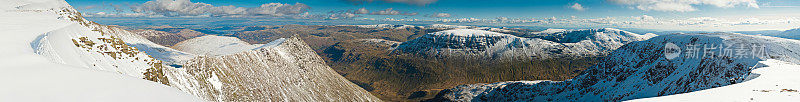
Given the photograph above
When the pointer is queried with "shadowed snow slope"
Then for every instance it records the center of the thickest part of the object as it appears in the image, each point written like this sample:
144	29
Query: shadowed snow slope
482	44
640	70
29	26
777	82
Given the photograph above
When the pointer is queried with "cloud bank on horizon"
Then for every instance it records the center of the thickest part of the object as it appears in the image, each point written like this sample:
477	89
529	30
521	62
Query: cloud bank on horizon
646	14
684	5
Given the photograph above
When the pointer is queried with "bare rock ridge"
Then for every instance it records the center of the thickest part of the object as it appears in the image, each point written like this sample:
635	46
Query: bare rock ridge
287	71
640	70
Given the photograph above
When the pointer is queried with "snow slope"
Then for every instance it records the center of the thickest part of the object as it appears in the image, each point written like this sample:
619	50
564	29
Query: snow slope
640	70
482	44
213	45
28	76
779	81
162	53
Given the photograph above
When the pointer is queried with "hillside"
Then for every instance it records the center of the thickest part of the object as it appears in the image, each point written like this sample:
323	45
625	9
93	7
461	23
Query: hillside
640	70
130	60
775	82
369	56
462	56
35	28
285	70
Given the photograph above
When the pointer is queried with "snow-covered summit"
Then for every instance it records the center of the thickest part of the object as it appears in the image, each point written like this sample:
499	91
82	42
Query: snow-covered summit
482	44
214	45
642	69
41	61
57	55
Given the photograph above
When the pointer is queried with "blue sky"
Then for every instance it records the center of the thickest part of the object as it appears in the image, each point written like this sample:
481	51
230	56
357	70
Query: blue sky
612	13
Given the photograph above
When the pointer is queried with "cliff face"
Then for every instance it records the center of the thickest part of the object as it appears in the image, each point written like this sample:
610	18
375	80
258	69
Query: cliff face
287	71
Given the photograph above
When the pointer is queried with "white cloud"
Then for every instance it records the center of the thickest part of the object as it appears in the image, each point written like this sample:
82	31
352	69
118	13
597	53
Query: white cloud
646	18
684	5
412	2
650	22
439	15
362	11
344	15
390	11
188	8
577	6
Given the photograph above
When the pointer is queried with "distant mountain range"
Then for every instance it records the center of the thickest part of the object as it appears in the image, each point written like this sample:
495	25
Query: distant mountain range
487	45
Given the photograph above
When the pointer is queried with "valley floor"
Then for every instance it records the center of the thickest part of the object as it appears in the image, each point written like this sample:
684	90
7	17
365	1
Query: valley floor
778	82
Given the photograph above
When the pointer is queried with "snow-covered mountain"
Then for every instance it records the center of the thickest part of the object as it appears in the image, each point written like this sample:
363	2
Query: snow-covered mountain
285	70
213	45
53	34
641	70
483	44
42	59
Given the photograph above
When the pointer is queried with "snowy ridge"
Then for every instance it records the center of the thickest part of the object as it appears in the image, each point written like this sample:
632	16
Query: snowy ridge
40	61
481	44
69	41
213	45
287	71
77	46
640	70
776	82
83	44
162	53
